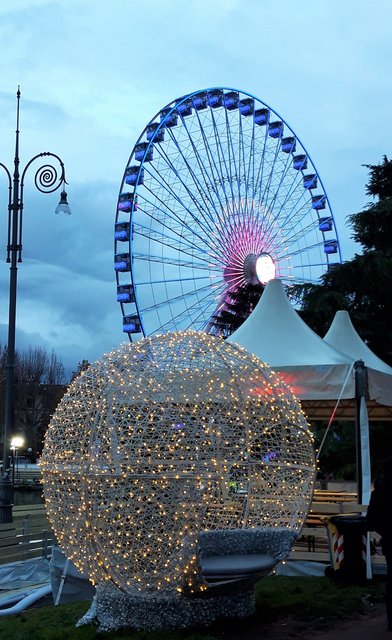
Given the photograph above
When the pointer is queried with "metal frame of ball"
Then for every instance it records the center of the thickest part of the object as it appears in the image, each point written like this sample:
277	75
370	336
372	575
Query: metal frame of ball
166	437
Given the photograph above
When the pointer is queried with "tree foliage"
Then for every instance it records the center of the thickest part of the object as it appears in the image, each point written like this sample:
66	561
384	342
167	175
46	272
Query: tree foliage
363	285
82	366
380	181
338	455
37	391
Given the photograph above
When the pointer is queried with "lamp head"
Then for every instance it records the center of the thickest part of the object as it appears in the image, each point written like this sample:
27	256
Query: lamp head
17	442
63	206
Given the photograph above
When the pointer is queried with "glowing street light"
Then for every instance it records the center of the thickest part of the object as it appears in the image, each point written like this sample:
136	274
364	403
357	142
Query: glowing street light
17	443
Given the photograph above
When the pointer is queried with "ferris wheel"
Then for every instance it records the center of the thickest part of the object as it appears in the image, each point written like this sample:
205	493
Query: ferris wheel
218	194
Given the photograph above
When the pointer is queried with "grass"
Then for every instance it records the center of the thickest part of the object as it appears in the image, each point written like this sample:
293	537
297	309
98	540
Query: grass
309	602
315	599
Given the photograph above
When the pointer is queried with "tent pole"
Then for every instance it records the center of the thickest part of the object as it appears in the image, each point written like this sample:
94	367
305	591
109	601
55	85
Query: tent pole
360	392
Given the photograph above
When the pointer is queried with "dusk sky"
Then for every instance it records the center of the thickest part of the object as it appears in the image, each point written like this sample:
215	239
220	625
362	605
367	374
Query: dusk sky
93	73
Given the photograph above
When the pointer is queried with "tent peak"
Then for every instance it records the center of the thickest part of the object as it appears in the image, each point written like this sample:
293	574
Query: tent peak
343	336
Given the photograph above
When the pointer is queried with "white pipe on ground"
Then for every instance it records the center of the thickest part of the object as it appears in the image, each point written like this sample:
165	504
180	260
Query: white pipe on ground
27	601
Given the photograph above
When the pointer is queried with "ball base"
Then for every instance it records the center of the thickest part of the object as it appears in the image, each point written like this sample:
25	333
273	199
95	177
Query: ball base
112	609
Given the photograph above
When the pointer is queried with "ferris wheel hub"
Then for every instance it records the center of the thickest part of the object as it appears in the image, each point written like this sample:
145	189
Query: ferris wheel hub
259	269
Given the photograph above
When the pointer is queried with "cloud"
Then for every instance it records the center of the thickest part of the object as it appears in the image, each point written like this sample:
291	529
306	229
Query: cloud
93	74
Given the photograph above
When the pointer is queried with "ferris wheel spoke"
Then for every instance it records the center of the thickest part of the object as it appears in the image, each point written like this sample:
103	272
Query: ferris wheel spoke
240	164
166	210
286	249
264	197
281	182
231	155
207	237
309	247
211	185
250	201
169	188
169	261
292	210
300	266
224	175
210	219
181	297
207	184
236	178
219	178
300	233
260	173
183	245
296	215
236	158
243	171
251	176
173	194
176	280
279	240
200	315
196	307
296	184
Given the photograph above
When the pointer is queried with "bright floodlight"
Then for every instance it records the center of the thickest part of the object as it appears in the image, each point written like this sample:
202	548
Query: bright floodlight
17	442
265	268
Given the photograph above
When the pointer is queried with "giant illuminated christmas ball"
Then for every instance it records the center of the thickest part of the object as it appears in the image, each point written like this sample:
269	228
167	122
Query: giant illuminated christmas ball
166	437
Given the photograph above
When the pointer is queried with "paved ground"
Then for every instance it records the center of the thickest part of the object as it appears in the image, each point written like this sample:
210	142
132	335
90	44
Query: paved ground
371	626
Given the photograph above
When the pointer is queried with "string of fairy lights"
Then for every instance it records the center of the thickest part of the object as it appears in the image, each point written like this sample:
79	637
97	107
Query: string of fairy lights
166	437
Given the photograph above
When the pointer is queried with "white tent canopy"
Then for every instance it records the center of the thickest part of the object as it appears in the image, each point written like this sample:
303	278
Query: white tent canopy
277	335
314	368
343	336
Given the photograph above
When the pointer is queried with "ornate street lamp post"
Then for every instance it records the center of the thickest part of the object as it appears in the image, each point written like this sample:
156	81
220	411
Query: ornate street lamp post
47	179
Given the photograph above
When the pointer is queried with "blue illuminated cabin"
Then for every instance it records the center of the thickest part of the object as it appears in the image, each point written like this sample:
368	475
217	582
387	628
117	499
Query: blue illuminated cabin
200	101
230	100
326	224
125	293
140	151
300	162
261	116
275	129
247	106
151	132
331	246
121	231
215	98
131	174
126	201
310	181
289	144
131	324
185	108
318	202
169	119
122	262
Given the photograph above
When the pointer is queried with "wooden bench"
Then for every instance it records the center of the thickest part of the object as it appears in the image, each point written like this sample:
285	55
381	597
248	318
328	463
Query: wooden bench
28	536
323	495
29	477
